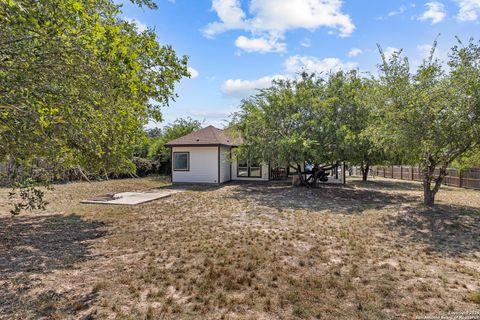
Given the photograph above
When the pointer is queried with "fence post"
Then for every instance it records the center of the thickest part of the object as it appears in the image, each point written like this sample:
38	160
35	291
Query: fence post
401	172
392	172
411	170
460	178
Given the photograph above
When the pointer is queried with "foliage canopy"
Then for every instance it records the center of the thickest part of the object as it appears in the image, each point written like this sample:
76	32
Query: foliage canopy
430	117
77	83
311	119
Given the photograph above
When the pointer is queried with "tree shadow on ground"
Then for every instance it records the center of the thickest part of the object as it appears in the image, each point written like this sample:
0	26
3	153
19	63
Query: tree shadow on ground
446	229
32	246
387	185
338	198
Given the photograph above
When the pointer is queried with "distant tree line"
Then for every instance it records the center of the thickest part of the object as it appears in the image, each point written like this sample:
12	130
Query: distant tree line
429	117
149	157
152	157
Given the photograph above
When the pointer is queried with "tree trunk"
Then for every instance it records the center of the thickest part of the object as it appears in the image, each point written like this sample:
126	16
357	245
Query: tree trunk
429	193
314	176
364	169
82	174
300	176
365	172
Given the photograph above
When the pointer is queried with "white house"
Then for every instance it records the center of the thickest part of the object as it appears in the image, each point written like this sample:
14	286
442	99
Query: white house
205	156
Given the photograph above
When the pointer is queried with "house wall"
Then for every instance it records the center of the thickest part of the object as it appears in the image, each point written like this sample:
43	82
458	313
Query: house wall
225	164
265	171
203	165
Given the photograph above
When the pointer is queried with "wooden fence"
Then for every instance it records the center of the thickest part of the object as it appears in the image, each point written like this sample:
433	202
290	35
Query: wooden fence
465	178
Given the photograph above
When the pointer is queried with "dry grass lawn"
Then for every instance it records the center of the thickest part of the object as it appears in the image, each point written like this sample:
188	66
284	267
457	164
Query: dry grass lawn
246	251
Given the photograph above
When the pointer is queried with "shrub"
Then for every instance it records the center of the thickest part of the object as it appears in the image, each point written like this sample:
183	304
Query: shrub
144	166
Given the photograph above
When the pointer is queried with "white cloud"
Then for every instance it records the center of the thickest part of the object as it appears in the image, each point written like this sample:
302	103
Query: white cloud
297	63
400	10
261	45
469	10
193	72
270	19
355	52
426	49
389	51
306	43
231	17
243	88
435	12
138	24
280	16
393	13
213	114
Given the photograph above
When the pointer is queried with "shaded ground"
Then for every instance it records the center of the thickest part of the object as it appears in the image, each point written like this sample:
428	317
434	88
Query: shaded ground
247	251
31	247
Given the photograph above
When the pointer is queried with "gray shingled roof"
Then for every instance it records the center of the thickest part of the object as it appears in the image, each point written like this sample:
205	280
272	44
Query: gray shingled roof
206	136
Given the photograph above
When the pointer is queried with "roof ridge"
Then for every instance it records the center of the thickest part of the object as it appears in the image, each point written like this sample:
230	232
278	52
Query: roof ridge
209	135
216	132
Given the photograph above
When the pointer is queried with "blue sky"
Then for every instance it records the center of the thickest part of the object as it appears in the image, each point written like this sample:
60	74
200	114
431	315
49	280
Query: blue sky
237	46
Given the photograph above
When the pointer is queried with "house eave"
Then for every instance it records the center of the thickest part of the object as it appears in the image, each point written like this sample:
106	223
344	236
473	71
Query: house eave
200	145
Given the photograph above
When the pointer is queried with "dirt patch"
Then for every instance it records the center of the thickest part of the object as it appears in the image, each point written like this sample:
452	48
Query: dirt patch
247	251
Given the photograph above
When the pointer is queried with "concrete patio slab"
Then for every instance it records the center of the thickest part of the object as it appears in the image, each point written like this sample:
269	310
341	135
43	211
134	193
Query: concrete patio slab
132	198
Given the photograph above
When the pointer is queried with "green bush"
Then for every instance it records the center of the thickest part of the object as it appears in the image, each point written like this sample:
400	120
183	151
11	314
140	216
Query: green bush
144	166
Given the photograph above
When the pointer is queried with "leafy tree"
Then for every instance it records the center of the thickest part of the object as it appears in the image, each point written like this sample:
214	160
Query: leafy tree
470	159
354	115
141	150
432	117
154	132
77	84
293	122
358	146
180	127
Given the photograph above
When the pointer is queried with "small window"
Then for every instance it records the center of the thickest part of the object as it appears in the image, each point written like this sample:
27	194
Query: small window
180	161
